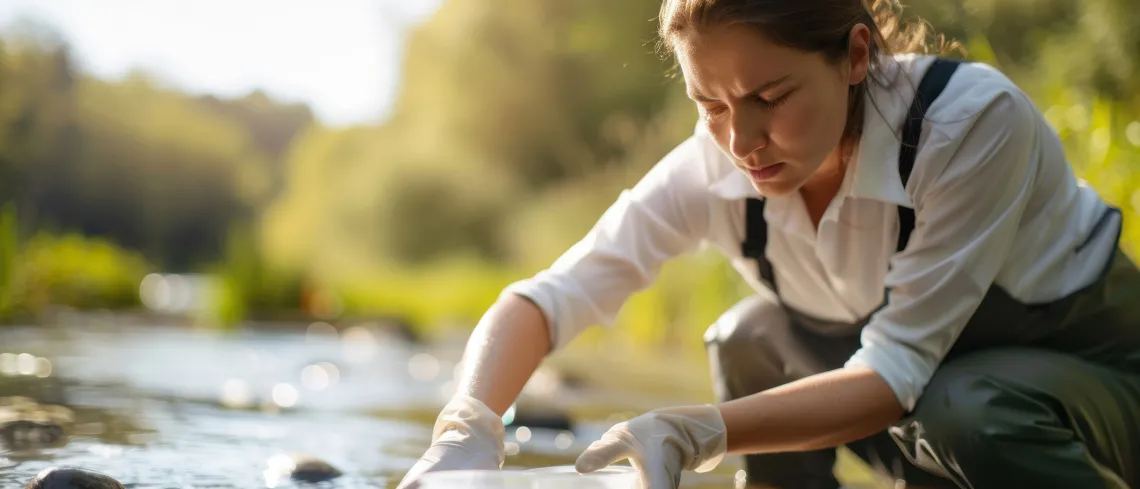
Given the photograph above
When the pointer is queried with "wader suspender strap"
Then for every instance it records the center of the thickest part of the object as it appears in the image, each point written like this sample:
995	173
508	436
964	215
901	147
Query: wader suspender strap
933	82
756	239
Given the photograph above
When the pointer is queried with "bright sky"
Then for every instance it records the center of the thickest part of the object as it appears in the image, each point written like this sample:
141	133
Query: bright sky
340	56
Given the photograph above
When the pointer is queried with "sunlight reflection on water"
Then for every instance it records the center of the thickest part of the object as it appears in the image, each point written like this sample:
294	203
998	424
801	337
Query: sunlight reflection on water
162	407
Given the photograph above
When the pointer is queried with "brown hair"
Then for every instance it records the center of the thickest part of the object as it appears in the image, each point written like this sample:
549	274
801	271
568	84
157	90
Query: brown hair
819	26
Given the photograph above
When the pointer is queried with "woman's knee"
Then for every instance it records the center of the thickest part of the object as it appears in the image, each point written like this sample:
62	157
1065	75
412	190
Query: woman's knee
745	348
753	321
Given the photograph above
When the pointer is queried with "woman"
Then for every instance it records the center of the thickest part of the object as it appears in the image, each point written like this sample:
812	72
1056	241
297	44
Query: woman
935	290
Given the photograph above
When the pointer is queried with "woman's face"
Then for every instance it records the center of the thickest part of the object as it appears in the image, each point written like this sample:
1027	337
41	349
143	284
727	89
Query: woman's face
778	112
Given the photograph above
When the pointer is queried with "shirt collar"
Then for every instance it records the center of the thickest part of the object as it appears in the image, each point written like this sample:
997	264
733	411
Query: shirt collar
886	105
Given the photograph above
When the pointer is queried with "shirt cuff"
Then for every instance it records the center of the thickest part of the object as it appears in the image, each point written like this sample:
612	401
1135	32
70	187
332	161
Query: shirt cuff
562	305
905	370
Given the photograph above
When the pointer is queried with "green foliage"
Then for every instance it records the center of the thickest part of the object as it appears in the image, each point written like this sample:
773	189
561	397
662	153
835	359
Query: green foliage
247	286
456	291
79	272
71	270
546	90
9	250
148	167
518	125
194	169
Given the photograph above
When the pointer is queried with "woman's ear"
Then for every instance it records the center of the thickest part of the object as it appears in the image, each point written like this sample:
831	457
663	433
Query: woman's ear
858	53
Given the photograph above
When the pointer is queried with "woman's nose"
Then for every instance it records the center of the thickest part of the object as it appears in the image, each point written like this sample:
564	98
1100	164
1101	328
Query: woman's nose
748	134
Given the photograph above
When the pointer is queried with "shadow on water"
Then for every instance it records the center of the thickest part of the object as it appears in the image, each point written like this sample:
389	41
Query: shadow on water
172	407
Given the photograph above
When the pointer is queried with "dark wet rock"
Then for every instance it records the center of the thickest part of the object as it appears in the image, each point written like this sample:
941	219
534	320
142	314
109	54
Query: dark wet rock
392	326
72	478
25	423
541	417
23	434
310	469
302	468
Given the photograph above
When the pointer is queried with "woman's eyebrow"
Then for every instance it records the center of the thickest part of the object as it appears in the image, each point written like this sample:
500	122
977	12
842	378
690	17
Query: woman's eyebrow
768	85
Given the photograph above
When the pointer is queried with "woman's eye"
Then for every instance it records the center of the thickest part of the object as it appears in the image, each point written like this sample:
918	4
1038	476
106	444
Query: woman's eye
714	111
773	103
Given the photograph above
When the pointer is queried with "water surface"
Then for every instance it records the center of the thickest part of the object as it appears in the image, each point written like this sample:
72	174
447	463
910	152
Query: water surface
171	407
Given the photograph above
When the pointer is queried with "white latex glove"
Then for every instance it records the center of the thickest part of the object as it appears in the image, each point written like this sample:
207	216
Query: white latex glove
467	435
662	443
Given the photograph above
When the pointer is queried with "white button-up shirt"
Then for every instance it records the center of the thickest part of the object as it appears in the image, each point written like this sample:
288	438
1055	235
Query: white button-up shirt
995	199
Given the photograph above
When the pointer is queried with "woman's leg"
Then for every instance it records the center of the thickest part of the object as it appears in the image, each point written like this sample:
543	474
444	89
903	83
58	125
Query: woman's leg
755	346
1020	417
752	348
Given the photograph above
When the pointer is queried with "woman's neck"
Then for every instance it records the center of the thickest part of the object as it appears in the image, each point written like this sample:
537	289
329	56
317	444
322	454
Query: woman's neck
820	190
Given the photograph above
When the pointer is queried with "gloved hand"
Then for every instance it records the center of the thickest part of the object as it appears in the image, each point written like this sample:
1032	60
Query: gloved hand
662	443
467	435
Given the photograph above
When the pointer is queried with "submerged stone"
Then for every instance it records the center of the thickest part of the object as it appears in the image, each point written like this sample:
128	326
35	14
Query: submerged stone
72	478
300	467
24	423
24	433
541	417
311	469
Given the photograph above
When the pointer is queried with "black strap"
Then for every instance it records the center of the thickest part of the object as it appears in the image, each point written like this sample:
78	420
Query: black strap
756	239
933	82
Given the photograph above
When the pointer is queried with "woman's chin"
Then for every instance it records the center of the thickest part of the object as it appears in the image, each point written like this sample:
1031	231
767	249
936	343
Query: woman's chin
774	188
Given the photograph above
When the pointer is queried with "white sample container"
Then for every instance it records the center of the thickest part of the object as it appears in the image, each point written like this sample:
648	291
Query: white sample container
566	477
476	479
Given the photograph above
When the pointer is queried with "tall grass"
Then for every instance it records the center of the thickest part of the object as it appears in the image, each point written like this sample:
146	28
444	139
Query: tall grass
9	249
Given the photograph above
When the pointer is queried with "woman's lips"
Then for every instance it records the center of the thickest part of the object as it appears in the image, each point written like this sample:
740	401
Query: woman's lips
766	173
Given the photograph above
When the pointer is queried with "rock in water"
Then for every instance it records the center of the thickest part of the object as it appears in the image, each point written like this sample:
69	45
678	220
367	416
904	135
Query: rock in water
24	434
300	467
72	478
26	424
543	419
310	469
537	414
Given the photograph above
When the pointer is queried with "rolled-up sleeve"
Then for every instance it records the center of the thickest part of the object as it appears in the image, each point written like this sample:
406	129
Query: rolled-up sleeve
969	201
664	215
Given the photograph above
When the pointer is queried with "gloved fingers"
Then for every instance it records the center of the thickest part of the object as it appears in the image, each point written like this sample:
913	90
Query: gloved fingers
604	452
411	478
661	465
660	477
448	455
643	472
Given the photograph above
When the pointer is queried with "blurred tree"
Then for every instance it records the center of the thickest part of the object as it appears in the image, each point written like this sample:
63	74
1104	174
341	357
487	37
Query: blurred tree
146	166
162	173
550	104
39	134
1091	46
501	102
546	89
272	125
519	123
